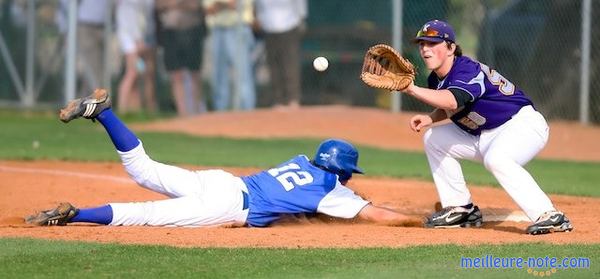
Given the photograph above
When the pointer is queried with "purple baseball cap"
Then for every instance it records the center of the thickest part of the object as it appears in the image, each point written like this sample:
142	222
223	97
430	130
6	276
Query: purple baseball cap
435	31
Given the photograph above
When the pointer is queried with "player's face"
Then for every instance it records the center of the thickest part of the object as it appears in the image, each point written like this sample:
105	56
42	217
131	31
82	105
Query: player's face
435	55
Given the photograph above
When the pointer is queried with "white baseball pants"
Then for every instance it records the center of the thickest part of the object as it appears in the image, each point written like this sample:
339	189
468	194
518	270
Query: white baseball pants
503	151
198	198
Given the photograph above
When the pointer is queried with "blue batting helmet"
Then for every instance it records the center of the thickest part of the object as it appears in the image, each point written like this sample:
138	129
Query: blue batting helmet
339	157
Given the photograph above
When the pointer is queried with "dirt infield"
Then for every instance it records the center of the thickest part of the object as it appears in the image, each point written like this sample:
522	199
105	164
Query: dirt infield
29	186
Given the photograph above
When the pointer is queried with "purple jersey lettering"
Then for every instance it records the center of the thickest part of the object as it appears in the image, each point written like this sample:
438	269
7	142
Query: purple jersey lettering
494	99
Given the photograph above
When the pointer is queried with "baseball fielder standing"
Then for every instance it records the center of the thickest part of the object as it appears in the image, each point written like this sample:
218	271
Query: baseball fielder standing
493	122
216	197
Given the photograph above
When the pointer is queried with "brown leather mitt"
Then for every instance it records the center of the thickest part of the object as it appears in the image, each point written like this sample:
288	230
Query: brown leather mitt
383	67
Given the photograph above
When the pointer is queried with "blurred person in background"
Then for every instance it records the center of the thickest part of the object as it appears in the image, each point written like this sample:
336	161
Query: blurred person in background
90	40
181	35
283	25
230	25
136	30
13	21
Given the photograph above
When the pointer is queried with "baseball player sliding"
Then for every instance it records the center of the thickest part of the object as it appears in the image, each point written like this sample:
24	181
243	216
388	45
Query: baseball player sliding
493	122
216	197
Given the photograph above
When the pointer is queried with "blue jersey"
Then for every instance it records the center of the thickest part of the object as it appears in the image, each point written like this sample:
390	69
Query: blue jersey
494	99
297	186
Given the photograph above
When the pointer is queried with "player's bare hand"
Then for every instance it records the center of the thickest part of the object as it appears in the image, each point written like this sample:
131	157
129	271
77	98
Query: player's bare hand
420	121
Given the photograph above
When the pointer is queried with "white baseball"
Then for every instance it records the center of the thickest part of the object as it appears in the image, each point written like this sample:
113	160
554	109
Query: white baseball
320	63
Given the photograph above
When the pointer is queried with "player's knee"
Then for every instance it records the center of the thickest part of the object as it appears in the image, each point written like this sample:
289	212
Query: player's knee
138	177
140	168
495	161
433	140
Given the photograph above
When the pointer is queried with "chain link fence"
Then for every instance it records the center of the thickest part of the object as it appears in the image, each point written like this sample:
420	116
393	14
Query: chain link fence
537	44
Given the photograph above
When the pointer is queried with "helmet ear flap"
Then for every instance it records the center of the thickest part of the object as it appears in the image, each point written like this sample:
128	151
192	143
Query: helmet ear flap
344	176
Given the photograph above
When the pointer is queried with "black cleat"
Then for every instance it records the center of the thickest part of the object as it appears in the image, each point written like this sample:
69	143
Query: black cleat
59	216
454	217
551	221
88	107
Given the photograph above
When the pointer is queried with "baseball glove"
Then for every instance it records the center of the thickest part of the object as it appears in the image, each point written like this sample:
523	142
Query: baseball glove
383	67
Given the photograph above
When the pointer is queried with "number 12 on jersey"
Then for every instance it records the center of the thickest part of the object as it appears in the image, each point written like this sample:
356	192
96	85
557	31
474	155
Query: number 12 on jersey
291	176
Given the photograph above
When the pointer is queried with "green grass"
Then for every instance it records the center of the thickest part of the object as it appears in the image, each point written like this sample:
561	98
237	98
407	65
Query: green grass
83	140
26	258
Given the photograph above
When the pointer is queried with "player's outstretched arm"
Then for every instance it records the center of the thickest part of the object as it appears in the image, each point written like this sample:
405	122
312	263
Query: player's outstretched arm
442	99
388	217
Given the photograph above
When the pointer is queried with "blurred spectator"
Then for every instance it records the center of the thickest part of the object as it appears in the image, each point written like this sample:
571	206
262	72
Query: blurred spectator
181	35
282	22
17	12
12	23
136	30
90	41
229	22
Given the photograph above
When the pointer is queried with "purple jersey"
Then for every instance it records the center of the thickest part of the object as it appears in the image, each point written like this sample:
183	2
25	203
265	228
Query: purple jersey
494	99
297	186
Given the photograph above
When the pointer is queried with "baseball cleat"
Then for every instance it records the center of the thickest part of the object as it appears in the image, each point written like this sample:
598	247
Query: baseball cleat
88	107
551	221
454	217
59	216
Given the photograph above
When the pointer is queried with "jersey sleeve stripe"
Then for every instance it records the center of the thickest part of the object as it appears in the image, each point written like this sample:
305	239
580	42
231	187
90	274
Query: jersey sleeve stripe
464	90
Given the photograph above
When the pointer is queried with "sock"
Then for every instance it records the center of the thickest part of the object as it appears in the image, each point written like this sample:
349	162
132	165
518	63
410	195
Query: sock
468	206
123	138
100	215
